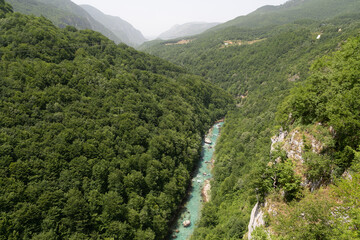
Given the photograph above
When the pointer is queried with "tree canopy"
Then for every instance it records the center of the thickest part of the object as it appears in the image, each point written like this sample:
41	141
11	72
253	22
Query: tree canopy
258	66
97	140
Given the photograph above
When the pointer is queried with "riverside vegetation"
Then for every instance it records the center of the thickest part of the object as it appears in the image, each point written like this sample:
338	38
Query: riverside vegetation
97	140
88	126
260	76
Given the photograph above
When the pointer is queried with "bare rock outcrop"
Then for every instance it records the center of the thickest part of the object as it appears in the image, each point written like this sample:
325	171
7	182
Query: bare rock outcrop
278	139
293	144
256	219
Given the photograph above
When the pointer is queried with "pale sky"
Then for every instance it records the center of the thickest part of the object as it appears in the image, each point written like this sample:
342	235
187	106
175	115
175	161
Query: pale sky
153	17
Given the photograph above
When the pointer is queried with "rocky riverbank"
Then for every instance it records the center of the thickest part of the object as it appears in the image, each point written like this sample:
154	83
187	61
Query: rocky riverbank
205	192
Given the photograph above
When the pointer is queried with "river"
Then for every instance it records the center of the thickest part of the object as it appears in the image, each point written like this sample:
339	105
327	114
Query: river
194	203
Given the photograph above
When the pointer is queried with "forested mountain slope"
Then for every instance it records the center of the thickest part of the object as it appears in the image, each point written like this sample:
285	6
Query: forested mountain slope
122	29
322	119
259	75
63	13
258	65
293	10
97	140
59	16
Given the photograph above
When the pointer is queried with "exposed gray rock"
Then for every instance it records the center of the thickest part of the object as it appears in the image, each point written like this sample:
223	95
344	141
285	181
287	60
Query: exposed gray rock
332	131
294	146
278	138
347	175
256	219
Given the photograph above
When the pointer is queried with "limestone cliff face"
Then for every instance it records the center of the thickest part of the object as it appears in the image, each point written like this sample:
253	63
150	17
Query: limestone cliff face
256	219
278	139
294	146
293	143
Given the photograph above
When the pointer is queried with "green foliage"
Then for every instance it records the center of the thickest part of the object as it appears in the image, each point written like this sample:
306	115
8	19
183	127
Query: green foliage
288	181
57	11
318	167
259	75
63	13
330	96
245	140
348	213
259	234
326	214
5	8
97	140
263	180
278	175
356	163
308	219
295	11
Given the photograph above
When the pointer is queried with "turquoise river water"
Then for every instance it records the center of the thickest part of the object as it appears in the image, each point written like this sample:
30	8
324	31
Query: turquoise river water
194	203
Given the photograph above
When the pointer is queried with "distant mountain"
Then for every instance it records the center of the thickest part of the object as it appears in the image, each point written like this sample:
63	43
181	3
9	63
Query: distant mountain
62	13
122	29
293	10
187	29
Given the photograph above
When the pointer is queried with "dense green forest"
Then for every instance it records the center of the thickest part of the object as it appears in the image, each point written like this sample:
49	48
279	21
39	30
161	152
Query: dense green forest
259	65
261	82
331	97
64	13
293	10
60	16
328	99
97	140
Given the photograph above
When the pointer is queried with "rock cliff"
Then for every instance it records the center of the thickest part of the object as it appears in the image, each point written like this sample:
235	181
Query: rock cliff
294	144
256	219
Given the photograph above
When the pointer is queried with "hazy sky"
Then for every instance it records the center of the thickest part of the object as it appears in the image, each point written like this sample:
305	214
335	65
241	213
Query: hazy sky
153	17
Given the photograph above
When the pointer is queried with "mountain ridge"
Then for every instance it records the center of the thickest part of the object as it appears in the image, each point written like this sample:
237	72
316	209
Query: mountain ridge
64	12
121	28
186	29
292	10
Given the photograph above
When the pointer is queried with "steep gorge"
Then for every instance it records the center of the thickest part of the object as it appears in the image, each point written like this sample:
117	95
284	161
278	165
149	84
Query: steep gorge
97	140
142	141
260	77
